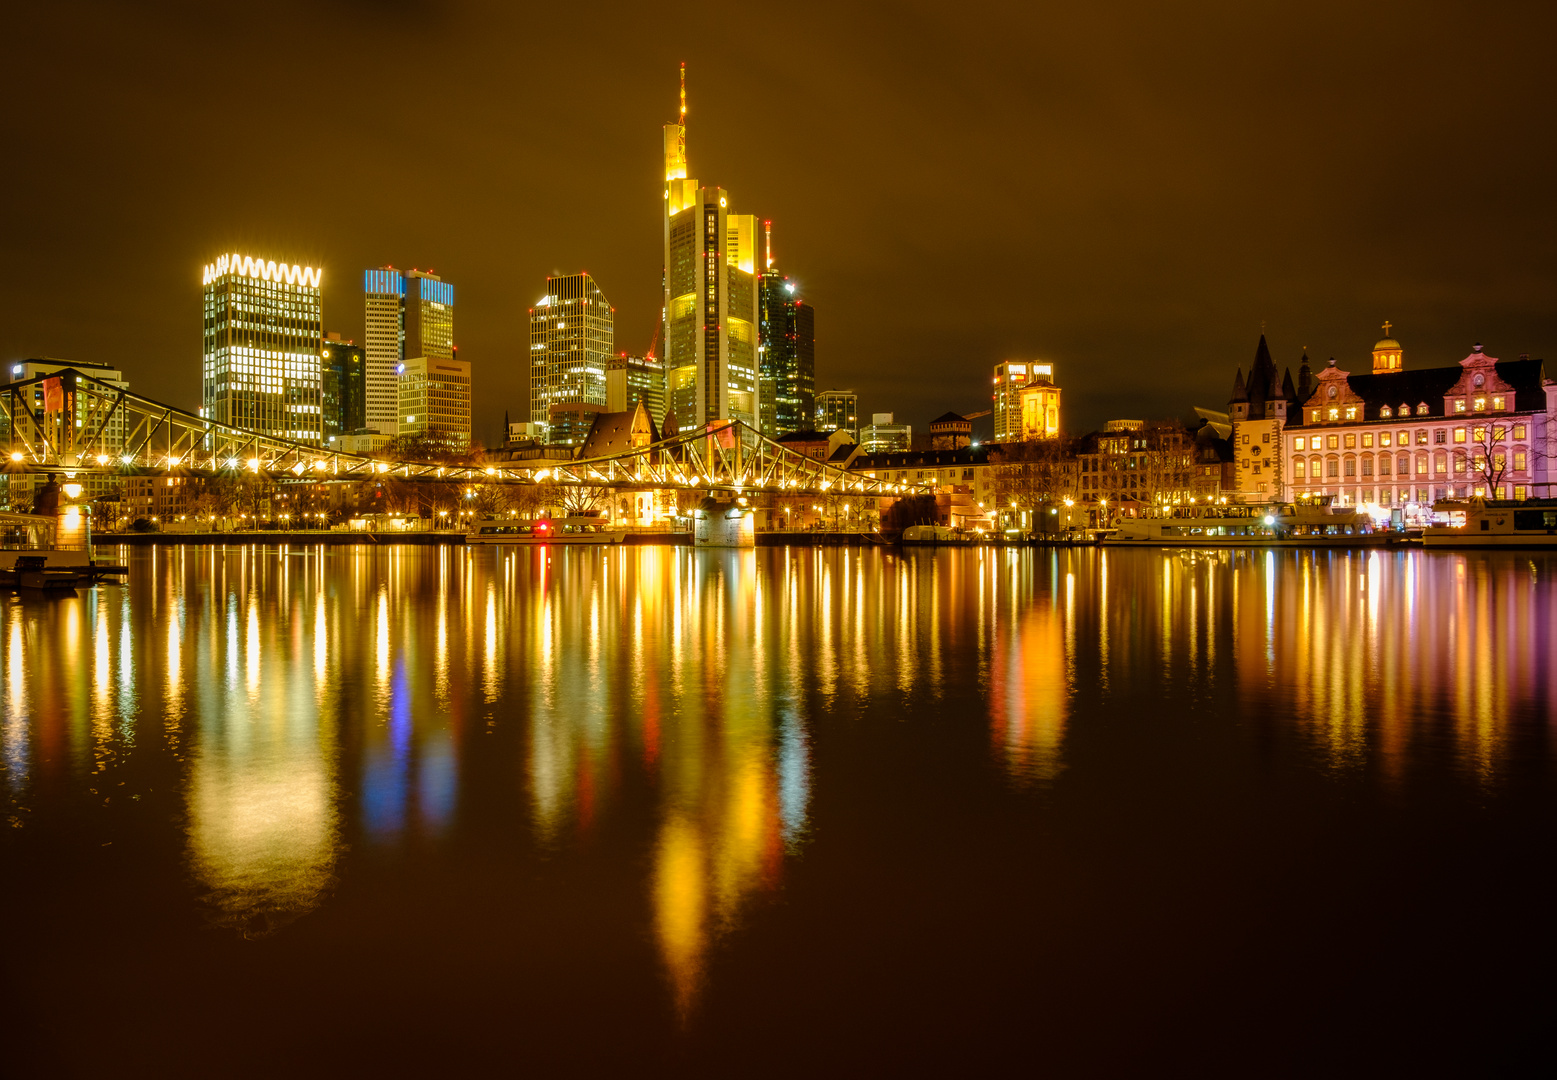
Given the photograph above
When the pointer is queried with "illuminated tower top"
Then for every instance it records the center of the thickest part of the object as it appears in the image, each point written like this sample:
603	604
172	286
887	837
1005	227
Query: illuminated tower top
676	141
1387	353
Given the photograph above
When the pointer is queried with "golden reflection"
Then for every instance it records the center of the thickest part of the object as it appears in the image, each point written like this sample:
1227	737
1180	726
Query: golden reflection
684	698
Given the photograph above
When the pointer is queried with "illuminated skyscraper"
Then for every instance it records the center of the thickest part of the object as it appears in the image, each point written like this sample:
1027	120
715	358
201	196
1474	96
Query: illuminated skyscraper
1010	378
571	331
408	315
787	351
711	332
260	360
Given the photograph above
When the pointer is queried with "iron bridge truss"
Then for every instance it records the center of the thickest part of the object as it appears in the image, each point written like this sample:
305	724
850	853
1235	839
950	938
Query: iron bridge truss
75	423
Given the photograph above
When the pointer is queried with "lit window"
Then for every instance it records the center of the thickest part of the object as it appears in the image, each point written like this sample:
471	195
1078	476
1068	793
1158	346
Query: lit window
1481	404
1297	467
1367	438
1421	410
1421	436
1297	444
1351	412
1497	404
1386	412
1335	414
1459	404
1351	442
1519	461
1459	434
1383	438
1314	415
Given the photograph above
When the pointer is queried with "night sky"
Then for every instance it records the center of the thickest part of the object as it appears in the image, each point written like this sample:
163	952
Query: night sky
1126	190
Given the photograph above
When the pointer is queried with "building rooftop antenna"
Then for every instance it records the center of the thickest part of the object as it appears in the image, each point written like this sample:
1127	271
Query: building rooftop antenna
767	228
683	92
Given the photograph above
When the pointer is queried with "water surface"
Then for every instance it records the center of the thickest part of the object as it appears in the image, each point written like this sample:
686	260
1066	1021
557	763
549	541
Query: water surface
656	809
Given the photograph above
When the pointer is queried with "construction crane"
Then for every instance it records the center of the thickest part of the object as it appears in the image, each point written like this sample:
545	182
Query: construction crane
976	415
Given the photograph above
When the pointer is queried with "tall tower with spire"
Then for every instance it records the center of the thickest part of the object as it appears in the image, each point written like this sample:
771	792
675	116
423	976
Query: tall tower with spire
710	274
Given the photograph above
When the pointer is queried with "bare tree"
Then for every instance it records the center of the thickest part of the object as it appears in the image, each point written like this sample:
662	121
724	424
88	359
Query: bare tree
1036	472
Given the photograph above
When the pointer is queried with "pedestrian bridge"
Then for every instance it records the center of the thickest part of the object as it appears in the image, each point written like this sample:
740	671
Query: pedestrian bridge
72	422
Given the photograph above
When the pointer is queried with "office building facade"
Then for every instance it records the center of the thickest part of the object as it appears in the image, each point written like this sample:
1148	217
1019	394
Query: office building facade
260	355
572	330
884	433
435	402
634	379
343	368
838	410
407	315
711	317
787	354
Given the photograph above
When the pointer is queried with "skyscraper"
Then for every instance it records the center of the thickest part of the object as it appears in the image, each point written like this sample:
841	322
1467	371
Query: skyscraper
571	332
408	315
343	393
787	351
711	334
1010	377
260	359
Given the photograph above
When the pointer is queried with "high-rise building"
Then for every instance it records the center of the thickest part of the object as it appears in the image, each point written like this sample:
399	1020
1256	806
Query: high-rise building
838	410
631	379
1040	403
383	342
711	333
786	351
260	357
1010	377
343	391
408	315
435	402
571	334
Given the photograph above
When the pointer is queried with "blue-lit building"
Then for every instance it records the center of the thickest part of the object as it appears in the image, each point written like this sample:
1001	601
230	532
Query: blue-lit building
408	315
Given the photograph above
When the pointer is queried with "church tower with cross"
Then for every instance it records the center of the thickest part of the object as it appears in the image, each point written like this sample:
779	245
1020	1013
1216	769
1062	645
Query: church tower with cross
1387	354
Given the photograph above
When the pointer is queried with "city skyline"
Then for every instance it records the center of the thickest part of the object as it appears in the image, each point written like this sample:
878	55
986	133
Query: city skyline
1145	295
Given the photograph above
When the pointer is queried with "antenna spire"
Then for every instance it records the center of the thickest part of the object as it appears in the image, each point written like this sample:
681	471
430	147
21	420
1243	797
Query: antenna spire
683	91
767	228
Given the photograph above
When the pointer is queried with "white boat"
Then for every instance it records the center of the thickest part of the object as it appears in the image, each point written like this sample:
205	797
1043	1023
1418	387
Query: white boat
1478	522
549	531
1313	524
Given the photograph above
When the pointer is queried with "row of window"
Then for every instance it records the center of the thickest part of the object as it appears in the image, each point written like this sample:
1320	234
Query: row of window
1462	463
1403	438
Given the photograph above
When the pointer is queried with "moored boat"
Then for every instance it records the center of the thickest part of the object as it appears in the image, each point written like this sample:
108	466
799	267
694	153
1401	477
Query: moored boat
935	535
568	530
1312	524
1478	522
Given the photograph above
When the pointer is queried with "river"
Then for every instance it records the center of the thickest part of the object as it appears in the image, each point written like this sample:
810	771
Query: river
654	809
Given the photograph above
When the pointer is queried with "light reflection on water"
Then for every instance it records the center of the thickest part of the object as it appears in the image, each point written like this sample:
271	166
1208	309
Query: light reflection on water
321	704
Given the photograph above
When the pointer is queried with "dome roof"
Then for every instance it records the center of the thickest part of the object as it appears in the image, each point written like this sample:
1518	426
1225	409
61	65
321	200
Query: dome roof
1385	343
